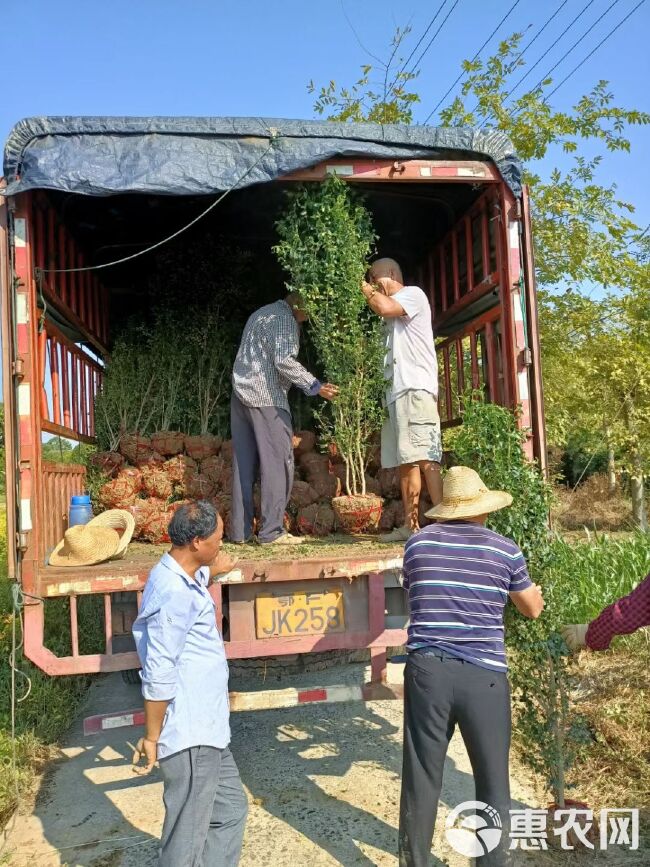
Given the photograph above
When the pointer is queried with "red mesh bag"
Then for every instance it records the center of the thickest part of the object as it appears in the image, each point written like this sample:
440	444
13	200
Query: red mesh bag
156	482
315	520
389	482
200	447
107	463
131	476
142	511
134	447
117	494
212	467
152	459
168	442
180	468
199	487
304	441
154	528
302	494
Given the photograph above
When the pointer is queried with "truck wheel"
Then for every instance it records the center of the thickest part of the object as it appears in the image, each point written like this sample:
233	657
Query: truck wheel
132	676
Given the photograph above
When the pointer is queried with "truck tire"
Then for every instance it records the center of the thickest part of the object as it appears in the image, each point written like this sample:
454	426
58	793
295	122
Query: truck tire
131	676
295	663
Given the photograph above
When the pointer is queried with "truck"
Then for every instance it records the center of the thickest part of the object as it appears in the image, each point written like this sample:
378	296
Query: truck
80	196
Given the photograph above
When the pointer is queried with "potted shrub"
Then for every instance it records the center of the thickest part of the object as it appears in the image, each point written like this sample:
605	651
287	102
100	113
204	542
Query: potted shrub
326	237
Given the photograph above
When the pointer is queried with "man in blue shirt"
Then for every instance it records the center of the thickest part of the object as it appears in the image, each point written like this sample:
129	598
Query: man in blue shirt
185	688
459	576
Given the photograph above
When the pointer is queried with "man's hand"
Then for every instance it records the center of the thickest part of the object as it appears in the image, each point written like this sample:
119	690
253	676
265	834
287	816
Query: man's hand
147	750
328	391
574	635
222	563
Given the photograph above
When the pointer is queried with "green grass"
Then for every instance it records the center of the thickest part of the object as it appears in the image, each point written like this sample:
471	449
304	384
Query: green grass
584	577
47	711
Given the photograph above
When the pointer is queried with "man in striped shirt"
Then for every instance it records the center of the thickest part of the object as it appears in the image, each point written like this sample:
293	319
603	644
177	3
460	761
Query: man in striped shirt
459	576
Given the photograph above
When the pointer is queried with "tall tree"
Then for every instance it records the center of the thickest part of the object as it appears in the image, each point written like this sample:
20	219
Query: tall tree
584	232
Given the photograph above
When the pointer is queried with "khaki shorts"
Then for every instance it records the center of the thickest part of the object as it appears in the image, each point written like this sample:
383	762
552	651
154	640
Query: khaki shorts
411	433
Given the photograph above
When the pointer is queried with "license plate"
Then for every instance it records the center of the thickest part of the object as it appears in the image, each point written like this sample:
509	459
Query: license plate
299	614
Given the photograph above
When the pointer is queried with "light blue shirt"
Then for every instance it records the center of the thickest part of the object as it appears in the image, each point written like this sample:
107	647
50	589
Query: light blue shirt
183	658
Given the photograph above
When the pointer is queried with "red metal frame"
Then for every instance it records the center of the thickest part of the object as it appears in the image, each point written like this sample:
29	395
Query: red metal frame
77	295
72	374
117	577
75	378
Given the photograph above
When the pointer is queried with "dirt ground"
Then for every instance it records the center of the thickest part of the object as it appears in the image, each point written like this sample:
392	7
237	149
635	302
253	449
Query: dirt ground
323	784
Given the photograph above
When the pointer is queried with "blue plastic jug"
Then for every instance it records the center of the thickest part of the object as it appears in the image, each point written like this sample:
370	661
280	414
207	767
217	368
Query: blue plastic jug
81	510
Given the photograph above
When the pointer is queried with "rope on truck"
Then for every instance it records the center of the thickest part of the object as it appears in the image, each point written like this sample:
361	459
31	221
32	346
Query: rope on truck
273	139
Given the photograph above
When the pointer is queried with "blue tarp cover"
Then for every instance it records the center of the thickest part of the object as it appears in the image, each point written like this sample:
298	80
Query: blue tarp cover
101	156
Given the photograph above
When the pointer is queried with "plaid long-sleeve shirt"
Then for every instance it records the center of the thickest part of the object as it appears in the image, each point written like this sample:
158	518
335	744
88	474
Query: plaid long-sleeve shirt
266	365
626	615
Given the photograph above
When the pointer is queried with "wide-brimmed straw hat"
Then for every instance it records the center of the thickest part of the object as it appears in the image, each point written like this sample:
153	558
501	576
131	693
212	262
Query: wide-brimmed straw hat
465	496
120	520
83	545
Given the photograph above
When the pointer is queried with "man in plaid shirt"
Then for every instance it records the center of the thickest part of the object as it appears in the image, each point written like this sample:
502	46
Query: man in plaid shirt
622	617
265	368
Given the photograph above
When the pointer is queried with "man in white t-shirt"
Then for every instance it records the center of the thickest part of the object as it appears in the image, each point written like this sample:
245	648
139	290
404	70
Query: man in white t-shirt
410	438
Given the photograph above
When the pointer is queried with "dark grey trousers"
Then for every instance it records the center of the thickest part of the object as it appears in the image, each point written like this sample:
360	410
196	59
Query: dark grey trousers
441	691
262	438
205	809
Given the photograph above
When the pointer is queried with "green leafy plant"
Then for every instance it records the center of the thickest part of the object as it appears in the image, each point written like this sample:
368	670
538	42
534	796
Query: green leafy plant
326	237
491	442
171	375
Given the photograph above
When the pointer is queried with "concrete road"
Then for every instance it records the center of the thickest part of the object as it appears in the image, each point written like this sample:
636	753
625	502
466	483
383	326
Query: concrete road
323	783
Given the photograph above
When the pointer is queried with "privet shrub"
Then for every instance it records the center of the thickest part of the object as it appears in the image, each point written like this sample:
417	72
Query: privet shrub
490	442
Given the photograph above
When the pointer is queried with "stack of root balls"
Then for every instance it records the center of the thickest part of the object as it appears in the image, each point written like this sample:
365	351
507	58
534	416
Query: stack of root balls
152	476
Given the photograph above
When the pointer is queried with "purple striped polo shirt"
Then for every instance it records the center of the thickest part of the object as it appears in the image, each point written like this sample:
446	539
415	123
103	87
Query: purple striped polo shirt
458	575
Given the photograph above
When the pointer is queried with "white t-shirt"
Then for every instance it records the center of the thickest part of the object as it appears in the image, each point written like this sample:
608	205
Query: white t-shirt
410	361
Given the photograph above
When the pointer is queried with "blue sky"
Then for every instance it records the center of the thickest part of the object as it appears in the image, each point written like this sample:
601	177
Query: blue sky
255	58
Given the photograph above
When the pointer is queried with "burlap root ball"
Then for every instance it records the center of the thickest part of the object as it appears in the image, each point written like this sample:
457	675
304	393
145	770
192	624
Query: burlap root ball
135	448
212	467
315	520
168	442
108	463
302	494
179	469
389	483
201	447
304	441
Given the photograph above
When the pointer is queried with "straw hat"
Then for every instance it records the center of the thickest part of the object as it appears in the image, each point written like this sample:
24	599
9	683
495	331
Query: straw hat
465	496
83	545
120	520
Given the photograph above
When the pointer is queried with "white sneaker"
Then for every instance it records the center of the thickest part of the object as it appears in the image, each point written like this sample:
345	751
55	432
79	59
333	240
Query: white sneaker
285	539
399	534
